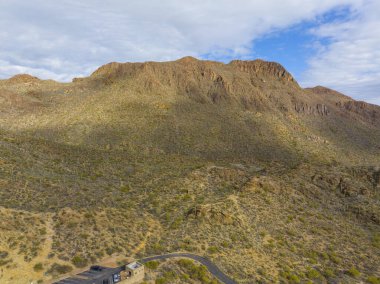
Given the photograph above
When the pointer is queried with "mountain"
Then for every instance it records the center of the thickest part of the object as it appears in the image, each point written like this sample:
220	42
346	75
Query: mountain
234	161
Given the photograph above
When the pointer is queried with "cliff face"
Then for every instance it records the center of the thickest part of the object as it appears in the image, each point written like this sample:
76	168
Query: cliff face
267	69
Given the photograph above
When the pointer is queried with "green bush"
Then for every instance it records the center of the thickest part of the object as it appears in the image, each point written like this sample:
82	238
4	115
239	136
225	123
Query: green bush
170	275
152	264
329	272
290	277
186	263
376	241
354	272
373	280
313	274
4	261
334	258
212	250
38	267
194	271
59	269
161	281
185	276
294	279
3	254
79	261
225	244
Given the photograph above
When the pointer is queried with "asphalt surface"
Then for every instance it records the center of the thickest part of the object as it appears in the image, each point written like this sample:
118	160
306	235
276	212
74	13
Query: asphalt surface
214	270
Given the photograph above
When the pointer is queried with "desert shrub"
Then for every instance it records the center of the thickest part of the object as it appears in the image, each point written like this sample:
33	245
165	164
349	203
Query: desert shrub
152	264
354	272
329	272
170	275
185	276
110	250
4	262
72	225
290	277
186	263
334	258
161	281
125	188
156	248
38	267
176	224
212	249
59	269
324	255
313	274
79	261
87	215
294	279
376	241
373	280
99	254
196	272
225	244
3	254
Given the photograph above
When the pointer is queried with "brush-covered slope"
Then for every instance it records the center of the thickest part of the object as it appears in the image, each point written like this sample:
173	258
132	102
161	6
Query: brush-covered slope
234	161
241	110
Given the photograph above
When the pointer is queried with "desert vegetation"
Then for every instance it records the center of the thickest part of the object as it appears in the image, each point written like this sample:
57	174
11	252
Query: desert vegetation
272	182
178	271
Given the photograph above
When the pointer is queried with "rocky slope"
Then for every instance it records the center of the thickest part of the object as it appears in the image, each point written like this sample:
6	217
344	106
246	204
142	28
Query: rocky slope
235	161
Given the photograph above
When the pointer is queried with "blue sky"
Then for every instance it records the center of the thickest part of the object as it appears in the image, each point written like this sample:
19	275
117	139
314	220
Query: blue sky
335	43
293	46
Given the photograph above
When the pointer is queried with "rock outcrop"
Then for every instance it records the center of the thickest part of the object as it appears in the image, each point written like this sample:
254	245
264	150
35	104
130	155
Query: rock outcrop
263	68
367	111
318	109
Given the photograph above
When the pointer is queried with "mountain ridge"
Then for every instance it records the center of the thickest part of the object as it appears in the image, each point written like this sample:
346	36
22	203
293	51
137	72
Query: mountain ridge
256	99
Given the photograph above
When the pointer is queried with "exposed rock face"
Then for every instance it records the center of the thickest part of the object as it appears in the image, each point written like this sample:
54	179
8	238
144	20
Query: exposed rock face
365	110
318	109
260	67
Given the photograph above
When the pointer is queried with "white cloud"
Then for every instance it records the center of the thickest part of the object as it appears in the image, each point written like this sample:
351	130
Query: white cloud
67	38
351	61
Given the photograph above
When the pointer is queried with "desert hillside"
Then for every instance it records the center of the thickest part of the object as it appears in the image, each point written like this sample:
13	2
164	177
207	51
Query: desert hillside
237	162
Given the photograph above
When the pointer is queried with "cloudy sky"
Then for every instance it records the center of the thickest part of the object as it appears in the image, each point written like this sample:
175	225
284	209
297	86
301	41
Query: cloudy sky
335	43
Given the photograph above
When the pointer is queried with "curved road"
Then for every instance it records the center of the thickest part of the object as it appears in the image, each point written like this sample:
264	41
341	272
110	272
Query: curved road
214	270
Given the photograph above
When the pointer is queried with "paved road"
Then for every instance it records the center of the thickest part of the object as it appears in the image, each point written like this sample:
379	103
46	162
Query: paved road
214	270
